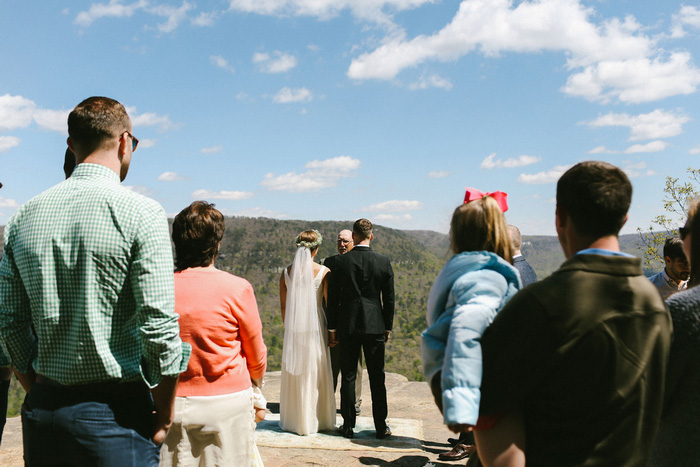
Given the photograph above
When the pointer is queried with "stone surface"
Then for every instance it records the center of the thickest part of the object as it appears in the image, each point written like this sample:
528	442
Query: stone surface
411	400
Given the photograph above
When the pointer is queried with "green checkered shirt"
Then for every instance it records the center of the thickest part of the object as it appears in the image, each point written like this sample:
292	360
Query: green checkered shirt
89	264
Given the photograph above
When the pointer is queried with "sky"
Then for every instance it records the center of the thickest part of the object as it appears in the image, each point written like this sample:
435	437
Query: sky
341	109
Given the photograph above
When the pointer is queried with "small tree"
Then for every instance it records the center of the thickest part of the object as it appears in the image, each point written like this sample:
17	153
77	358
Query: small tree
677	198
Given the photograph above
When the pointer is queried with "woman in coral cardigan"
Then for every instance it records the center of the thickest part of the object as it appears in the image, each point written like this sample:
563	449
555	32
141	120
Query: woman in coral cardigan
214	413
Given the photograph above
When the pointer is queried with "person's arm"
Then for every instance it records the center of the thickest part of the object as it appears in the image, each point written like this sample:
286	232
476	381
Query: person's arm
164	402
333	302
332	341
15	312
283	296
504	444
250	333
164	355
388	302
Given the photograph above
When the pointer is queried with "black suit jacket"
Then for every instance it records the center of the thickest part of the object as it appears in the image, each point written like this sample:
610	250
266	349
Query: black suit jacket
527	274
361	293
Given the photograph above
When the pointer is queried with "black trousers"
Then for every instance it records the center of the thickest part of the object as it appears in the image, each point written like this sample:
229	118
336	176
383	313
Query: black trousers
350	348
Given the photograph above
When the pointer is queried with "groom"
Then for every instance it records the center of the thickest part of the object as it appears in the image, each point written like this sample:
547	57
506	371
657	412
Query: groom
360	317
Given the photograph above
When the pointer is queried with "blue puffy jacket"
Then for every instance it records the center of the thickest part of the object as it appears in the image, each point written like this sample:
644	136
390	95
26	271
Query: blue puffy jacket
464	299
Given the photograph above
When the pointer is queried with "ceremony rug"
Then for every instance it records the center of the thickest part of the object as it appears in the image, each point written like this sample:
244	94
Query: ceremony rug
406	436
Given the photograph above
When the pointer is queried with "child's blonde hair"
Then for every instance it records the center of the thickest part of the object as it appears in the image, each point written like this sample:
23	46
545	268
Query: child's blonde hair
480	225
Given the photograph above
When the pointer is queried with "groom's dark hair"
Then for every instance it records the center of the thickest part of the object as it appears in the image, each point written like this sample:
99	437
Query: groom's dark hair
362	228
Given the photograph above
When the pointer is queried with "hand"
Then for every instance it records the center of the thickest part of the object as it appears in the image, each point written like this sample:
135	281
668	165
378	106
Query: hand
332	341
159	436
460	428
386	336
259	415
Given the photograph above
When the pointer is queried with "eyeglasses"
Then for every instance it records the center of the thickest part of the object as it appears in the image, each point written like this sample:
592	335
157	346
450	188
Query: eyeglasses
134	141
683	232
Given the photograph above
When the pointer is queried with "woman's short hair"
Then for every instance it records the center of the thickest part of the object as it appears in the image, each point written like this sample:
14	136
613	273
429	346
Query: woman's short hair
479	225
693	223
197	233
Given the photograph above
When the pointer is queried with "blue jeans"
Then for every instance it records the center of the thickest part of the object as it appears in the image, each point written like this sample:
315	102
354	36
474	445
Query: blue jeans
62	426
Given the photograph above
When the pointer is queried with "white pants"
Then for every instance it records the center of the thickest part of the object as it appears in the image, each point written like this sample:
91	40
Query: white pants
211	431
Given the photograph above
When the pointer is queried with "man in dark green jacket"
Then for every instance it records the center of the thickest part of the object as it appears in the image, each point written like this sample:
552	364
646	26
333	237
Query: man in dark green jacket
574	365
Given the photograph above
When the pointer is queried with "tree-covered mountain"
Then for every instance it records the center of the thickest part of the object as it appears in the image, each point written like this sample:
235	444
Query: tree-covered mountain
258	249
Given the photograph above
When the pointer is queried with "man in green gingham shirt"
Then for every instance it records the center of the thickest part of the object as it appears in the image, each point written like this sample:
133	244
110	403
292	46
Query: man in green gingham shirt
86	302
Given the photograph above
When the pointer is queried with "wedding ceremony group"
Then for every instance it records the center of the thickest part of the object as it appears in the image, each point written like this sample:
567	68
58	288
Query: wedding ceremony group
133	356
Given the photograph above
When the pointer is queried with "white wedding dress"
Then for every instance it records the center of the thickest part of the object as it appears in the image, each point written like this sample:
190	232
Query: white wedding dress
307	401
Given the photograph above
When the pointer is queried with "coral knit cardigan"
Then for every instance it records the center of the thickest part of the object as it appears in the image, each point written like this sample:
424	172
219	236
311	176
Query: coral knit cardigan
219	318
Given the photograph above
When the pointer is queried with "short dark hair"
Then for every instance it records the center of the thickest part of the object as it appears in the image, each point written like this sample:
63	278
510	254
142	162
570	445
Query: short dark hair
596	196
673	248
197	233
362	228
95	121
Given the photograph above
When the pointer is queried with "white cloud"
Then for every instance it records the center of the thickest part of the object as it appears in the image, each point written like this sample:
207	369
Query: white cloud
394	206
19	112
113	9
611	59
220	62
654	146
438	173
287	95
54	120
432	81
227	195
212	150
8	142
140	189
8	203
277	63
548	176
170	177
492	163
638	169
602	150
319	175
147	143
368	10
116	9
656	124
255	212
15	112
163	122
688	15
695	150
205	19
393	217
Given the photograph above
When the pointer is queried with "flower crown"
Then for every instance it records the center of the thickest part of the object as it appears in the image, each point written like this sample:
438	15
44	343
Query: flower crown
310	245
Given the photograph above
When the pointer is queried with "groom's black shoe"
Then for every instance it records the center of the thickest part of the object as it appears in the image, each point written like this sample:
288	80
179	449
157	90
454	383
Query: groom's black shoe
346	431
385	433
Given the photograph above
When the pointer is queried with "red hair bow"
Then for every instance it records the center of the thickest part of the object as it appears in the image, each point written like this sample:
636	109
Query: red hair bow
500	197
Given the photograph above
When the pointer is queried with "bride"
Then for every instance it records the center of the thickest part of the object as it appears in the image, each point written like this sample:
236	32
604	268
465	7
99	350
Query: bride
307	401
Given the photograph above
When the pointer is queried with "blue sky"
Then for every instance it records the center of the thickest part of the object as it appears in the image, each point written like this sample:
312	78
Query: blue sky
340	109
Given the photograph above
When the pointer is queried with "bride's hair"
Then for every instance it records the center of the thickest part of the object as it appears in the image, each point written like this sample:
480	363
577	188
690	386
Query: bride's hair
480	225
310	239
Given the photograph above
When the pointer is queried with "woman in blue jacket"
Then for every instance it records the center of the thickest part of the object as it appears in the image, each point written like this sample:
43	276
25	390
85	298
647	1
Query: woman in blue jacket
466	295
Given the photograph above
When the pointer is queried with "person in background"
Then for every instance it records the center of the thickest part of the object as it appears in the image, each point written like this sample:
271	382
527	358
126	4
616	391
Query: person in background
68	162
574	365
527	274
214	411
674	276
465	297
678	439
86	302
344	245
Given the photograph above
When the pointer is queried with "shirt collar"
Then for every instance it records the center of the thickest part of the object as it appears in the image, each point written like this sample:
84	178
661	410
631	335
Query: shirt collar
604	252
89	170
